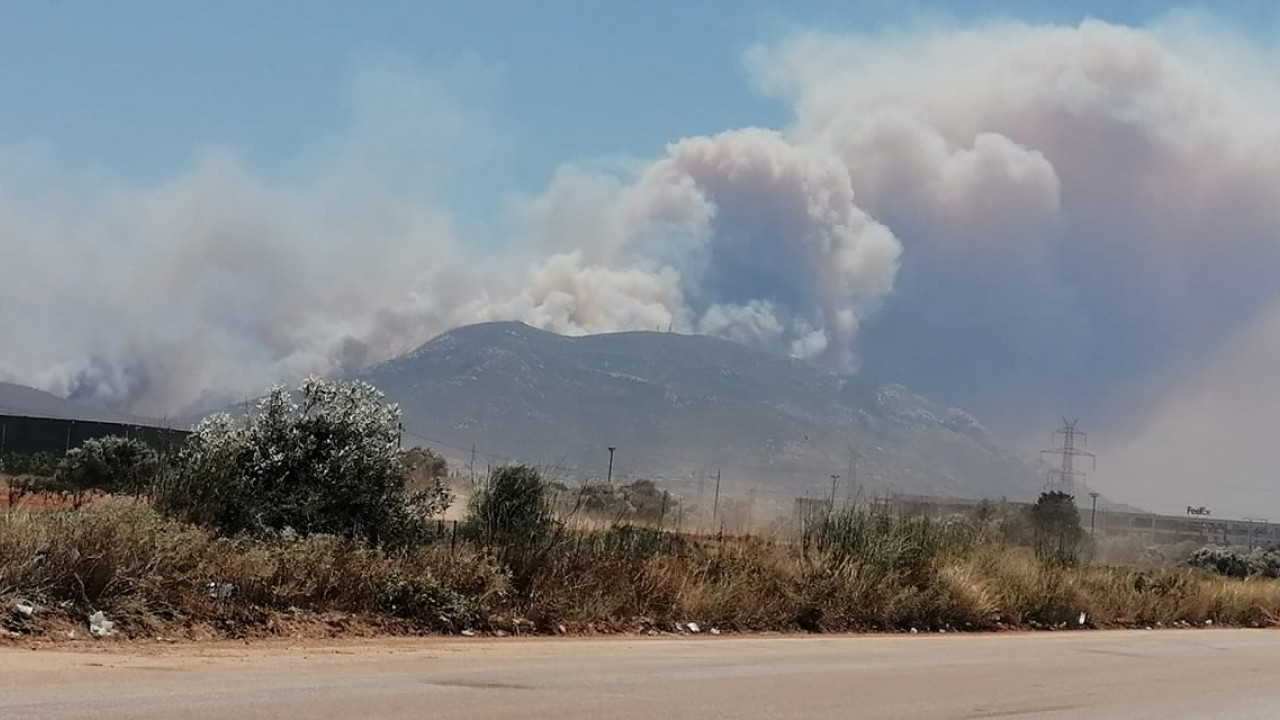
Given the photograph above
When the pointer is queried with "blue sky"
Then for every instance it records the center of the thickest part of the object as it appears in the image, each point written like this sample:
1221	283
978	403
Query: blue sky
133	90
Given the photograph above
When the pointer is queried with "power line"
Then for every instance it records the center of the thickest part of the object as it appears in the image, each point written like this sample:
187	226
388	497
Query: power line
445	443
578	472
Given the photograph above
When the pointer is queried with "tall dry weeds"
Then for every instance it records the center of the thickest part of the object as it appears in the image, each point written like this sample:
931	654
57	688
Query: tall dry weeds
860	572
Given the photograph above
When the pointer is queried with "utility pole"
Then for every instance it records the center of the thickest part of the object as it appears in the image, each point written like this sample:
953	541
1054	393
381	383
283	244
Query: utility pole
1093	513
611	450
853	473
715	507
835	479
399	436
1063	478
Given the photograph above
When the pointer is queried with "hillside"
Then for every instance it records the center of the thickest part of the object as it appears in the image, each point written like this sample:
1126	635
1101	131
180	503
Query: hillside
680	407
22	400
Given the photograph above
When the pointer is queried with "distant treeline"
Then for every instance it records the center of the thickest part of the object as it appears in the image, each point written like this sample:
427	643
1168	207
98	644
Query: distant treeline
23	435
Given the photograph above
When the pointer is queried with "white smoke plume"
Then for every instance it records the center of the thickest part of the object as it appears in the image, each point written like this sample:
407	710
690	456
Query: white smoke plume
744	235
209	286
1024	220
206	287
1083	208
1090	227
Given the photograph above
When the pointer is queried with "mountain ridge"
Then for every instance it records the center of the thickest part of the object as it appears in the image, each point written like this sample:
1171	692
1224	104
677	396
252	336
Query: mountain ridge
18	399
679	405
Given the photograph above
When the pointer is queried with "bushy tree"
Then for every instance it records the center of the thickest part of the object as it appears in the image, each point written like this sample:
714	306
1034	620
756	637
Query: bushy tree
1237	563
646	501
40	465
1058	534
514	507
639	500
323	460
111	464
513	514
425	472
424	467
30	474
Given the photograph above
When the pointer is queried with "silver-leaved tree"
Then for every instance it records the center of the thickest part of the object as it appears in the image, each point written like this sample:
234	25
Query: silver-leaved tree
322	459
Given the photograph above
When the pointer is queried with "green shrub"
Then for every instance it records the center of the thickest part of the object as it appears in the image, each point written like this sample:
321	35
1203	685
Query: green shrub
513	508
640	500
325	464
1059	537
423	468
888	541
111	464
1236	563
43	465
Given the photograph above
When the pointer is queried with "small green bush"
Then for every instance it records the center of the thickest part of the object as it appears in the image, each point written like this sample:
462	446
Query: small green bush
43	465
111	464
1059	537
513	508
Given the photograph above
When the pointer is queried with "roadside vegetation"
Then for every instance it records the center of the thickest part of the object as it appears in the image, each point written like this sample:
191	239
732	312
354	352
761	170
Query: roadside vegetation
308	519
1236	563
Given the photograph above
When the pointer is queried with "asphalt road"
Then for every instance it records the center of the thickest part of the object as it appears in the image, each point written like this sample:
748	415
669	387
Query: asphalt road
1167	675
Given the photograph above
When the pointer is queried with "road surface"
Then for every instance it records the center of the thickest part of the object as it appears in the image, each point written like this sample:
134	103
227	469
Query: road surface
1167	675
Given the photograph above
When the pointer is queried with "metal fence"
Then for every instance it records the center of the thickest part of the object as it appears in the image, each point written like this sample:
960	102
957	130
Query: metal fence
25	435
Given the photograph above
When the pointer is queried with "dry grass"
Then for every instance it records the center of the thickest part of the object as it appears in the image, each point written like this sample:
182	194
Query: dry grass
151	574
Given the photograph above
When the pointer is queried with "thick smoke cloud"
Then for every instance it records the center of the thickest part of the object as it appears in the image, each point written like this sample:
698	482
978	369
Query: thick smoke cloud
1083	209
210	286
743	235
206	287
1022	220
209	283
1090	226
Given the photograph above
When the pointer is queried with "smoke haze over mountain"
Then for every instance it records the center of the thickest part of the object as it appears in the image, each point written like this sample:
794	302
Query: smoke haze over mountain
1022	220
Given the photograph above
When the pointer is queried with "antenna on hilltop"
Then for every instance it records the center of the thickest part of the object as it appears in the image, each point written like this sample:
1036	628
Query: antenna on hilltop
1063	478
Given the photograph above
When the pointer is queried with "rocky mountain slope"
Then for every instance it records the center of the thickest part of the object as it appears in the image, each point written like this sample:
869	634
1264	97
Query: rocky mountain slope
679	407
22	400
